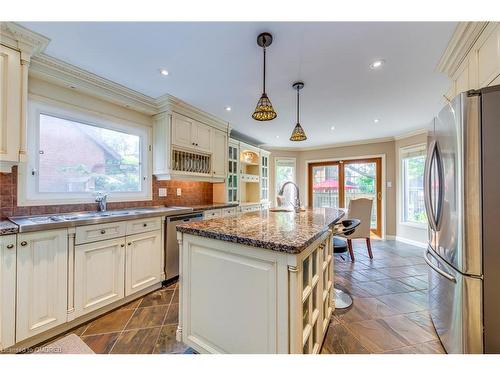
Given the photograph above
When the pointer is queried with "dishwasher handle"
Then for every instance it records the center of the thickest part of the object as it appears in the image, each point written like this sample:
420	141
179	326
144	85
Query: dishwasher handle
188	217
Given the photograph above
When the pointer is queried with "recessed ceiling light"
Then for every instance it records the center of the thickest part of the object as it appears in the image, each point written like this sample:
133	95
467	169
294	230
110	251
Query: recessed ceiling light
377	64
164	72
277	137
332	128
376	121
228	108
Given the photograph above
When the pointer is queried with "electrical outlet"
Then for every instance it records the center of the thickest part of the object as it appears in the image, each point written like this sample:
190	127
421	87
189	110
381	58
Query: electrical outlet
179	192
162	192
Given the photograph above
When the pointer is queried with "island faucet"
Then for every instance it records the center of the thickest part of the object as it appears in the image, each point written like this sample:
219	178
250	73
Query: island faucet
296	202
101	200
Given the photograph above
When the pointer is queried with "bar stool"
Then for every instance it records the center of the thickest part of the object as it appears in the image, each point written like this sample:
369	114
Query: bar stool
346	228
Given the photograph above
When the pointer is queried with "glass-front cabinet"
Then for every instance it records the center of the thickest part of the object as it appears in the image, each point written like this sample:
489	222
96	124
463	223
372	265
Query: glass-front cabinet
264	176
233	173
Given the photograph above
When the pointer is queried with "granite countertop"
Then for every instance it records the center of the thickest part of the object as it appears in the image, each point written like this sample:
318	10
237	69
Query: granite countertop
7	227
288	232
212	206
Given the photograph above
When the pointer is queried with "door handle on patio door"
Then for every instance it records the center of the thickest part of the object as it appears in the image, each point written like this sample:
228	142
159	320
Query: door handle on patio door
427	185
441	272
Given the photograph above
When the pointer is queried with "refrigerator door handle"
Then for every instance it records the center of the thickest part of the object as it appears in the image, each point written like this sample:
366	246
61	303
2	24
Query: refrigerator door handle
441	272
440	172
427	186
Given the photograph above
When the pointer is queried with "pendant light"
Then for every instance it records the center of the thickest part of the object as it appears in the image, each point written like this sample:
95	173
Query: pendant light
264	110
298	133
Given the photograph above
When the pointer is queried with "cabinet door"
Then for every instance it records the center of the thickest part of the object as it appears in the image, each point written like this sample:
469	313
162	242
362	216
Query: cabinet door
99	274
143	261
203	137
7	290
233	173
219	154
183	131
42	272
264	177
488	57
10	104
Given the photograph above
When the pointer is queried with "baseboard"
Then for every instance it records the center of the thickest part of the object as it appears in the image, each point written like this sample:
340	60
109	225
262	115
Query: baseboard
422	245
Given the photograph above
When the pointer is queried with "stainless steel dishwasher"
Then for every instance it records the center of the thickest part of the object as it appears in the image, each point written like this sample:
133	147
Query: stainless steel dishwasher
171	245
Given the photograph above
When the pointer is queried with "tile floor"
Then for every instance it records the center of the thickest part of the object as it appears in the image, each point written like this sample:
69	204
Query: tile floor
389	314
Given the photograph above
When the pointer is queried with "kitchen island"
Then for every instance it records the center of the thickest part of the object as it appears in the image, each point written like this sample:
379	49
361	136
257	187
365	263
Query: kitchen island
259	282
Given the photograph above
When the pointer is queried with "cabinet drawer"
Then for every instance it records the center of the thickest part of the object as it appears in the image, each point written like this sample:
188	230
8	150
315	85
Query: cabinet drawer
212	214
143	225
228	212
250	208
98	232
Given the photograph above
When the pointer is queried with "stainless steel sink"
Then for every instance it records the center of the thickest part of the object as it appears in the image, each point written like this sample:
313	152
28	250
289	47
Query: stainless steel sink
33	223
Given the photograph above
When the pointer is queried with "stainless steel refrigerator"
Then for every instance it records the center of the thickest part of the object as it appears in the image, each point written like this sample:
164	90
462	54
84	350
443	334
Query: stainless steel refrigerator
462	198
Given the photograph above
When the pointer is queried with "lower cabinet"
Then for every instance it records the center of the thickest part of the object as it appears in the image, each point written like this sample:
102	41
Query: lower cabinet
42	273
99	274
7	290
143	266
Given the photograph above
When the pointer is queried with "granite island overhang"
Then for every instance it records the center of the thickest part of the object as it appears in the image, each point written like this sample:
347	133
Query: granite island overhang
259	282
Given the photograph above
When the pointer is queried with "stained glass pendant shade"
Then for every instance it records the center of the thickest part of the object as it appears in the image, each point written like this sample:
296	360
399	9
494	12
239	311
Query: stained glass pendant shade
264	110
298	133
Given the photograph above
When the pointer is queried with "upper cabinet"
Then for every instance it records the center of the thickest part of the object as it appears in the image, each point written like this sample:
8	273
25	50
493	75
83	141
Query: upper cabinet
188	149
191	134
264	176
472	58
10	104
17	46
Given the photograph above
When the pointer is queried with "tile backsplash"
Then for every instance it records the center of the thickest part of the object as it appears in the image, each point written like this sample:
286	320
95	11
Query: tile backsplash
193	193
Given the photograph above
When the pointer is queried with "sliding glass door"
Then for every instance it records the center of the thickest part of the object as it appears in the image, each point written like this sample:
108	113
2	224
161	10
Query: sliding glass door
335	183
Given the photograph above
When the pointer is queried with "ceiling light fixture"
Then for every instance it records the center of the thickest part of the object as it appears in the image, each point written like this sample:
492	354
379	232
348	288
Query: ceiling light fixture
332	128
264	110
298	133
377	64
376	121
228	108
164	72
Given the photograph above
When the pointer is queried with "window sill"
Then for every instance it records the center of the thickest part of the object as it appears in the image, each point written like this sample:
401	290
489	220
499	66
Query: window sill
413	225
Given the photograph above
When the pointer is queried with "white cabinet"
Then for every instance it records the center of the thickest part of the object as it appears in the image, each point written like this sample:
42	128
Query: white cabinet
228	211
10	105
219	146
143	265
42	279
7	290
232	182
183	131
488	56
99	274
212	214
191	134
203	137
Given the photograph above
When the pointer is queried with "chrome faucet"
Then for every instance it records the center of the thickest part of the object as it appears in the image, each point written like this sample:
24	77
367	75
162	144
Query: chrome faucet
101	200
296	202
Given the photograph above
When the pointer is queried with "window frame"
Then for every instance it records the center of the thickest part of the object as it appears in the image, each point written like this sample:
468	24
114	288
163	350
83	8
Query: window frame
404	153
29	195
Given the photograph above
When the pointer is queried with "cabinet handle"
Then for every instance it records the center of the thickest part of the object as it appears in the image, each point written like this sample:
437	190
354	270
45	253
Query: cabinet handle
122	245
10	246
144	225
103	231
24	243
130	243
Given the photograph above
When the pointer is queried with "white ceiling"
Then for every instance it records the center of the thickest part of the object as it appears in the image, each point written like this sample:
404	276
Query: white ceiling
213	65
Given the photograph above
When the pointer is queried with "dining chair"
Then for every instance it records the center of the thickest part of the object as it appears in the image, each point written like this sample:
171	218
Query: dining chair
360	209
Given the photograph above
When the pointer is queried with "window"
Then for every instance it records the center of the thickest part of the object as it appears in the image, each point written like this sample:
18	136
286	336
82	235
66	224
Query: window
285	171
412	170
73	155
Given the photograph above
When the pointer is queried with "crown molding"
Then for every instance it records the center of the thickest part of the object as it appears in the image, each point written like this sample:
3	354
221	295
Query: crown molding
169	103
19	38
413	133
461	42
59	72
334	145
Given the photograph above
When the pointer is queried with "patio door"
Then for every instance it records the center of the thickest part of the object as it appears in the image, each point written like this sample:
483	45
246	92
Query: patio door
335	183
